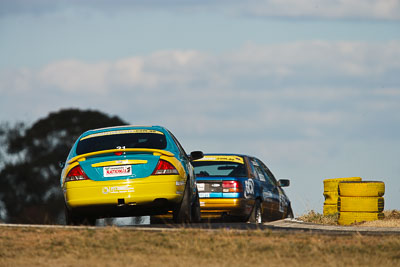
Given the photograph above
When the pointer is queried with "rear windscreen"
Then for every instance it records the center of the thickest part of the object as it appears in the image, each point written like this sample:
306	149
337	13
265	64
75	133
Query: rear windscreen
219	169
122	140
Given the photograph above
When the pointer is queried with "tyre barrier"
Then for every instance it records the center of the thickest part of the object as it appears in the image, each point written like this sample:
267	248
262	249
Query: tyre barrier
331	193
361	204
362	189
331	198
330	209
360	201
347	218
331	185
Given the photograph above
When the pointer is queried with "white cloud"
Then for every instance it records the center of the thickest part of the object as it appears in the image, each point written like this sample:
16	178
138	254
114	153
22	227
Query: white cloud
75	76
312	87
322	57
297	70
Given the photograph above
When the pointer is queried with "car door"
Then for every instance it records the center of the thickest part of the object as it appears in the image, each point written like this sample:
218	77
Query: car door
187	165
268	191
280	195
251	185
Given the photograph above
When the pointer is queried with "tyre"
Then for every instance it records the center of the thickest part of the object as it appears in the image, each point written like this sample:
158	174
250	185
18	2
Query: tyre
196	214
330	209
289	212
347	218
331	198
362	189
361	204
331	185
183	212
256	214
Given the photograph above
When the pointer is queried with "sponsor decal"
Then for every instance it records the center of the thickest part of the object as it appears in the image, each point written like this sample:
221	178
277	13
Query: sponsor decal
249	188
203	195
132	131
117	189
179	183
114	171
236	159
200	186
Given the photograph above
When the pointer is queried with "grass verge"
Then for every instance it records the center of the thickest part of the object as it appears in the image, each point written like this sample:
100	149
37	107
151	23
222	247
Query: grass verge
112	246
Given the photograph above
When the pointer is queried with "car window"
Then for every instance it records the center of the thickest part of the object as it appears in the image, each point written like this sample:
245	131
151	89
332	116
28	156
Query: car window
263	172
260	175
121	139
219	169
271	177
180	148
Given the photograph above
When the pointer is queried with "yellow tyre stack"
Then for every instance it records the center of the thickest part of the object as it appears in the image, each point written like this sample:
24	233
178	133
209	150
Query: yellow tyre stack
331	193
360	201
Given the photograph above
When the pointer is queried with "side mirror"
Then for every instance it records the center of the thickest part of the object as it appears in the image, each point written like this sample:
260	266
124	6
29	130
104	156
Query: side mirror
196	155
61	164
283	182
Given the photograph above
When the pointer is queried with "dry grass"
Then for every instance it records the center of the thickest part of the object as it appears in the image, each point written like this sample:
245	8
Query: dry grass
315	217
112	246
392	219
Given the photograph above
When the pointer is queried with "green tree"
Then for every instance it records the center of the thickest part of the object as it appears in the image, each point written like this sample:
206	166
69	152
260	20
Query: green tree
29	178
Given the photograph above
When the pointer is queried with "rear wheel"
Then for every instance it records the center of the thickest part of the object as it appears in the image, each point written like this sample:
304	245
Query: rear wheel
256	214
289	213
183	213
196	214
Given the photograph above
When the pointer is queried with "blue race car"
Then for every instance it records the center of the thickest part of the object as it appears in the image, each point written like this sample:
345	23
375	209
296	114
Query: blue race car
240	188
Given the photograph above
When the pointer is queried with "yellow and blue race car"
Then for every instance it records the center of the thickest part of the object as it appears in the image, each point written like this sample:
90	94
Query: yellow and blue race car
238	187
129	171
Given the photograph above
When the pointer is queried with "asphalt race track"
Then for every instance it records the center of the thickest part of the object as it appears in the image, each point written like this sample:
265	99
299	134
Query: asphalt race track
286	225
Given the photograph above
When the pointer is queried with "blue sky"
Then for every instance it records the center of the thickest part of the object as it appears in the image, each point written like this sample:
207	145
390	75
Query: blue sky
312	88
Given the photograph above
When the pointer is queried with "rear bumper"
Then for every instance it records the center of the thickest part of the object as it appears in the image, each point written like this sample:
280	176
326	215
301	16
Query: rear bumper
218	207
131	192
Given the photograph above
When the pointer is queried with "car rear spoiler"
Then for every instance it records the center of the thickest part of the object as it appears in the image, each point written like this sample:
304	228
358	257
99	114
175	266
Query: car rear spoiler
146	150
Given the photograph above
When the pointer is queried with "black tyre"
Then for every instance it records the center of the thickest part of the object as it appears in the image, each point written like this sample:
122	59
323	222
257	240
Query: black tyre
183	213
196	214
289	213
256	214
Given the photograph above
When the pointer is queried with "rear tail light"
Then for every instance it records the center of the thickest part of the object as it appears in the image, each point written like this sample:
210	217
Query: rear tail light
76	174
231	187
164	168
